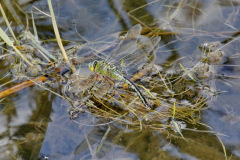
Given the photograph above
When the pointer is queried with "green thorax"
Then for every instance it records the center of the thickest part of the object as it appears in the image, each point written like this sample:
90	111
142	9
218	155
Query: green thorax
106	69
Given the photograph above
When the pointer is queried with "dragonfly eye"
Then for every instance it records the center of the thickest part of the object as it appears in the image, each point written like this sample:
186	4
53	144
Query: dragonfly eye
95	64
92	66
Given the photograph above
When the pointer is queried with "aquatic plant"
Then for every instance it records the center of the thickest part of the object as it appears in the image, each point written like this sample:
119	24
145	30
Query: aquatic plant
130	92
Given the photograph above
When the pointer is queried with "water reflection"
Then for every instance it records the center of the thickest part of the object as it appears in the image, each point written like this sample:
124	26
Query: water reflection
34	123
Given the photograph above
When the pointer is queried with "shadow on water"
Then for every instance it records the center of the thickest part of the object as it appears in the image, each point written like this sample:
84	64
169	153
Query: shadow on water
36	123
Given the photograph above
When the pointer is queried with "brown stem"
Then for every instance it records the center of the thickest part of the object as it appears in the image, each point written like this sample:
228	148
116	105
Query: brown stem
29	83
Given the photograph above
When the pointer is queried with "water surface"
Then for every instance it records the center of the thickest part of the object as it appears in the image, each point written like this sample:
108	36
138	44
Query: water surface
35	123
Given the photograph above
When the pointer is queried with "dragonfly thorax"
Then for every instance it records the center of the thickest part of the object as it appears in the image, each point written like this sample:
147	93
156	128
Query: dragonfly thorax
105	69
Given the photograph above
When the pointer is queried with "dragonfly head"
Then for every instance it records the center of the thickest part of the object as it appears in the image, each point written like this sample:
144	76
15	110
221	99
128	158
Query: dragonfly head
92	65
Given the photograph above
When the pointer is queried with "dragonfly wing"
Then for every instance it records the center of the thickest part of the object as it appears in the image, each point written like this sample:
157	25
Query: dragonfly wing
97	50
78	86
133	51
126	44
102	88
141	54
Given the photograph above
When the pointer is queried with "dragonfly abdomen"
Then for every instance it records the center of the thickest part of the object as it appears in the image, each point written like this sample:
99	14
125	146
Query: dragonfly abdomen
134	87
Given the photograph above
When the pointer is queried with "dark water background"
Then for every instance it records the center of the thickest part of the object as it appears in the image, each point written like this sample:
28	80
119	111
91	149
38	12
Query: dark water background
35	124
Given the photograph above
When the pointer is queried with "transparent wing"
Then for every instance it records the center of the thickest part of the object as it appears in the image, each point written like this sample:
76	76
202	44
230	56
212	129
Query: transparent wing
133	51
97	50
110	47
126	44
81	88
140	55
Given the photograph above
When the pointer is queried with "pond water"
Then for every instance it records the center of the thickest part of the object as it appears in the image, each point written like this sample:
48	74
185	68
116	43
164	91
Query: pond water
36	123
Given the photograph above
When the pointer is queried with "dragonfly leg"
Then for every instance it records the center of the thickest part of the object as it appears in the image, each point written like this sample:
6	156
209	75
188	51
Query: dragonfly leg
96	77
111	83
109	80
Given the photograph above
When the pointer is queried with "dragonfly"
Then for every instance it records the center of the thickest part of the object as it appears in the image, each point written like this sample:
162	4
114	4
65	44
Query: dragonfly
132	50
114	58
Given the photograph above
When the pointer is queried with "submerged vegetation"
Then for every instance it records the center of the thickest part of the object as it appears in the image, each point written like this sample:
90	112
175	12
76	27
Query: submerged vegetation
130	98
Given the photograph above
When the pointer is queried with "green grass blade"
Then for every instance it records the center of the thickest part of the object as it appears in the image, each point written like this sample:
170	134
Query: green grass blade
45	51
174	110
178	129
176	126
15	16
223	146
8	25
34	28
103	139
7	40
189	75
